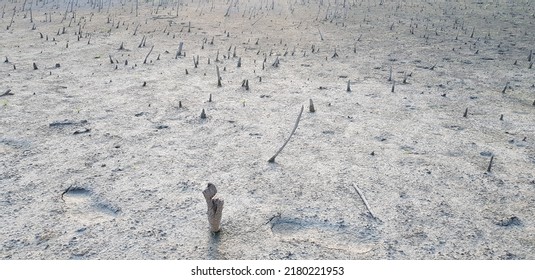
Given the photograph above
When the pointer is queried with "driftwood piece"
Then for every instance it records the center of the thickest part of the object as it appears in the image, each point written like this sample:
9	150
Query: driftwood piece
215	207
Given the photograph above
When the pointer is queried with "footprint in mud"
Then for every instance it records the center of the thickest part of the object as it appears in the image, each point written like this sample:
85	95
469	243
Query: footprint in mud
84	206
333	236
283	226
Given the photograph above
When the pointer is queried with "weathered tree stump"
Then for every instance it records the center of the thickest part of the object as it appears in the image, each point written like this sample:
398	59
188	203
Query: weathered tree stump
215	207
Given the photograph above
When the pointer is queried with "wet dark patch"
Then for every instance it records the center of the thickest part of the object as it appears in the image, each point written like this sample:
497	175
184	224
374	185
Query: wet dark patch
511	221
107	208
76	191
15	143
486	153
63	123
162	126
85	130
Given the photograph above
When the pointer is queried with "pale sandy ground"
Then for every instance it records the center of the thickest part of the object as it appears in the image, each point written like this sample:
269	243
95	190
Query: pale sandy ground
134	163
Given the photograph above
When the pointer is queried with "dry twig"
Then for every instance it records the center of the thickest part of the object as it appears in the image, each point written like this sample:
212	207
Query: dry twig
272	159
364	200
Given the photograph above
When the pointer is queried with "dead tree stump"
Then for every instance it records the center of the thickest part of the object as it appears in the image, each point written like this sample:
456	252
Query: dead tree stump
215	207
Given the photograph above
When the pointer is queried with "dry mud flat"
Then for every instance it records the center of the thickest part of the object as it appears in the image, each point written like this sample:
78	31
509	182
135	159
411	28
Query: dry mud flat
104	154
